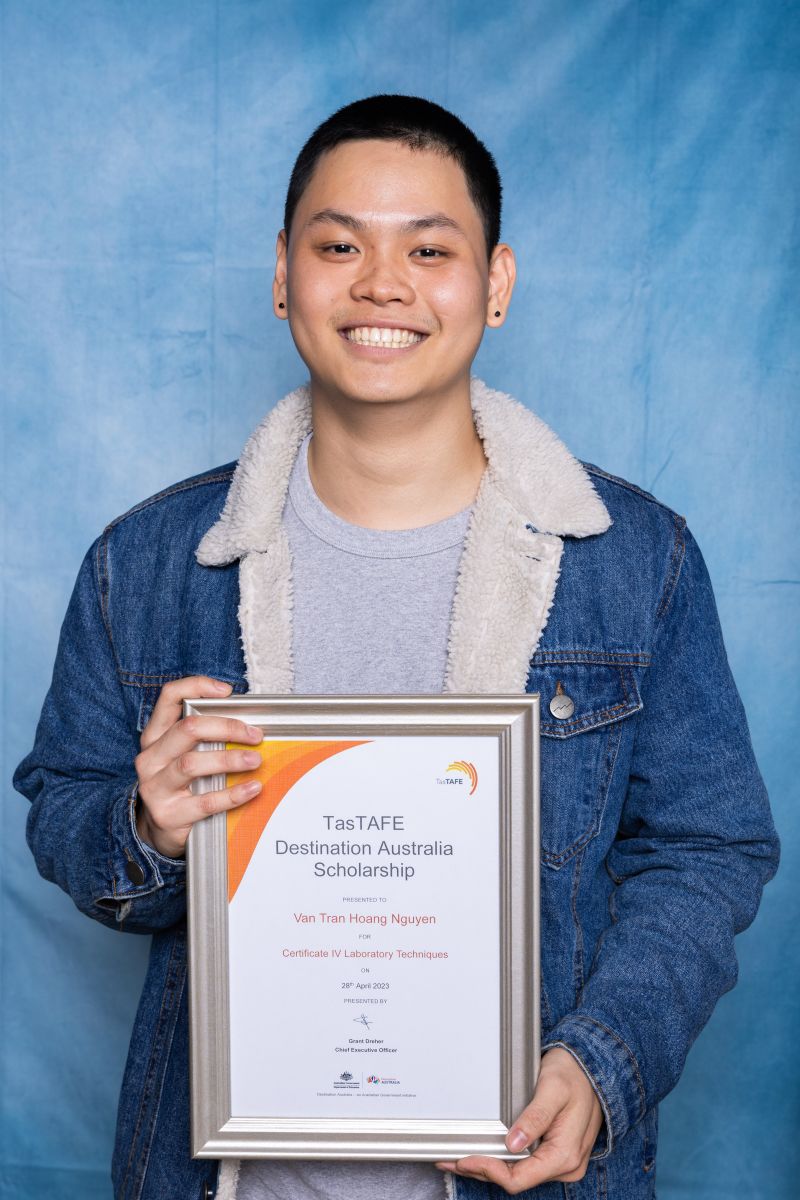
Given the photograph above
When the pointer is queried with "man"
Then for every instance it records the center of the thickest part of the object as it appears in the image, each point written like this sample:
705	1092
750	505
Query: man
399	527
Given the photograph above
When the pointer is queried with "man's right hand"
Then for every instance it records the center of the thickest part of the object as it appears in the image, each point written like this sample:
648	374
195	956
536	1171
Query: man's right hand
169	761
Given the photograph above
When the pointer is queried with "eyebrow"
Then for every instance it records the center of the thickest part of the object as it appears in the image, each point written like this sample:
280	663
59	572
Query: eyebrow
436	220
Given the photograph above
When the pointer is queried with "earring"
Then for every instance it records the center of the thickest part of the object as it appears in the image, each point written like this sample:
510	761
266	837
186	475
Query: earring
497	313
282	305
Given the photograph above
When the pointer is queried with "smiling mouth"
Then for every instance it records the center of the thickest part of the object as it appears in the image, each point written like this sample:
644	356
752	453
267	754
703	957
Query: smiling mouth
382	338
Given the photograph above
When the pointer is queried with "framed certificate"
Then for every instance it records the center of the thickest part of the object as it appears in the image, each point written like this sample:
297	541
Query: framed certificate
364	934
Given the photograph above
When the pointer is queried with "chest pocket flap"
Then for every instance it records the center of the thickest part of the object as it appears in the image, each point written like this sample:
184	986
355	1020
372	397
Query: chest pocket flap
593	694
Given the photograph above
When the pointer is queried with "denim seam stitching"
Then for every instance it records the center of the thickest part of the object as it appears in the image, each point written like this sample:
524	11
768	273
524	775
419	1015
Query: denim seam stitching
646	1165
151	1069
676	562
594	720
104	587
611	1033
578	962
135	893
631	704
611	762
563	856
164	675
553	858
630	487
167	1050
545	1004
612	750
185	486
110	868
611	658
152	681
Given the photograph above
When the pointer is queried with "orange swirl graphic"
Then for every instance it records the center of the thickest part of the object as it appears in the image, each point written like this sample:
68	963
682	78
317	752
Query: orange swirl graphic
283	763
468	770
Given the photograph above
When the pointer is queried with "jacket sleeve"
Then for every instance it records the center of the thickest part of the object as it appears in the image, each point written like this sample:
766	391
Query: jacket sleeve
81	780
695	846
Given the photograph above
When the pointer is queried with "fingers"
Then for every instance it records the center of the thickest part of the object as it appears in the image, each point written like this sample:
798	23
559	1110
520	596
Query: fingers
185	735
534	1121
169	823
564	1113
170	762
550	1161
169	706
181	772
490	1170
169	765
209	803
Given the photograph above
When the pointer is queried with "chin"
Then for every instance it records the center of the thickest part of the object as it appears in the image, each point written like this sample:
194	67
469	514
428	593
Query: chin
377	390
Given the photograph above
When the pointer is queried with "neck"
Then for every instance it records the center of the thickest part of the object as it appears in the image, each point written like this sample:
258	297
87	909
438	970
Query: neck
395	464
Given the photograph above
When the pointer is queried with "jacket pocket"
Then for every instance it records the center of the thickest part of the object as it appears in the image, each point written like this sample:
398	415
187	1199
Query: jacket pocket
594	695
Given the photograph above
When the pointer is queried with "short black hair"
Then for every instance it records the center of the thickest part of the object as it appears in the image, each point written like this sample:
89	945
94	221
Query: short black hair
419	124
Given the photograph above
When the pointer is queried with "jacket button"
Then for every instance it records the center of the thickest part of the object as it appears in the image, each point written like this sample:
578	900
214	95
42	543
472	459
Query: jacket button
562	706
209	1191
134	872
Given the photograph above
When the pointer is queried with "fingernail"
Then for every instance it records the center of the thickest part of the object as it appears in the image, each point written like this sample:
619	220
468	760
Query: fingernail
254	731
219	686
516	1141
251	758
250	789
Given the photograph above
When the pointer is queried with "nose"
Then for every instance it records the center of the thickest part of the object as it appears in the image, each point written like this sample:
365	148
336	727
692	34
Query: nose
383	280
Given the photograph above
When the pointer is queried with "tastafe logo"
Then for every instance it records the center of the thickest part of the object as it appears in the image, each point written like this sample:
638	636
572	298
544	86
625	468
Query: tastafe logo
469	770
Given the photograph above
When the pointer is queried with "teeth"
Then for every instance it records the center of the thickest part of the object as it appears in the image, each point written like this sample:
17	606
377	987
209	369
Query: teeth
372	335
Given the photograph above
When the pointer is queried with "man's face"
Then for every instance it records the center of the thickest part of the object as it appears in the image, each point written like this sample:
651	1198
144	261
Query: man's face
385	280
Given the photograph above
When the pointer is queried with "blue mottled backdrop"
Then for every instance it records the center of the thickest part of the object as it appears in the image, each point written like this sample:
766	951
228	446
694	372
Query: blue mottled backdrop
650	159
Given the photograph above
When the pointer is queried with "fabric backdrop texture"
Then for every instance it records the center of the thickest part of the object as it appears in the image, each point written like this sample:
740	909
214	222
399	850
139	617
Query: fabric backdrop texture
650	161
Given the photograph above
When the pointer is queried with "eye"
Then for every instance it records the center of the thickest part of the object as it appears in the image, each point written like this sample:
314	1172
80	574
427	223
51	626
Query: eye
430	252
339	249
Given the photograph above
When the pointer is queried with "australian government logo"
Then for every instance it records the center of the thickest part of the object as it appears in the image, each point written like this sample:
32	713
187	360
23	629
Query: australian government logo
464	775
346	1082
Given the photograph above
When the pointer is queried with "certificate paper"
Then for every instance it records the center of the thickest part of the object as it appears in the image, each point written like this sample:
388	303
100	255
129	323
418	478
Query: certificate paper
348	913
363	935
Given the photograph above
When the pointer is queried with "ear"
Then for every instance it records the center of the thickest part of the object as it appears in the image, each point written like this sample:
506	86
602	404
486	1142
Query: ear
502	273
279	301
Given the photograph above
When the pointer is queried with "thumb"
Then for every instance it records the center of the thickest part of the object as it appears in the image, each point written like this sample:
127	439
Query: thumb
533	1122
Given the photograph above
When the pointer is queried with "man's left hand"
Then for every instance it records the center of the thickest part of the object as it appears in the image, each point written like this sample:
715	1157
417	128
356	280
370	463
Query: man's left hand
564	1113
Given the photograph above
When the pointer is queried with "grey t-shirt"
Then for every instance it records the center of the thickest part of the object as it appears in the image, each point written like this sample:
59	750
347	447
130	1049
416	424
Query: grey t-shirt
371	614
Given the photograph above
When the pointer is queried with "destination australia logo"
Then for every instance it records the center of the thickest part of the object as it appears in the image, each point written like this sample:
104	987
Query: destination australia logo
465	775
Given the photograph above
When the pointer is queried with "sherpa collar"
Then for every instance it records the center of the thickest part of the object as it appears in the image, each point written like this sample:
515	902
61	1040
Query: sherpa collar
527	464
533	493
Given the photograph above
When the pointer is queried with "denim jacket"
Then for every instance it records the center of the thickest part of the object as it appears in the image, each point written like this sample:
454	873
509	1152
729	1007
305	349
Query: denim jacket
656	832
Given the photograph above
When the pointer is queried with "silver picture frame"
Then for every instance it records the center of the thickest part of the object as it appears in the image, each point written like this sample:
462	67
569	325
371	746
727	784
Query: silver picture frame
217	1132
